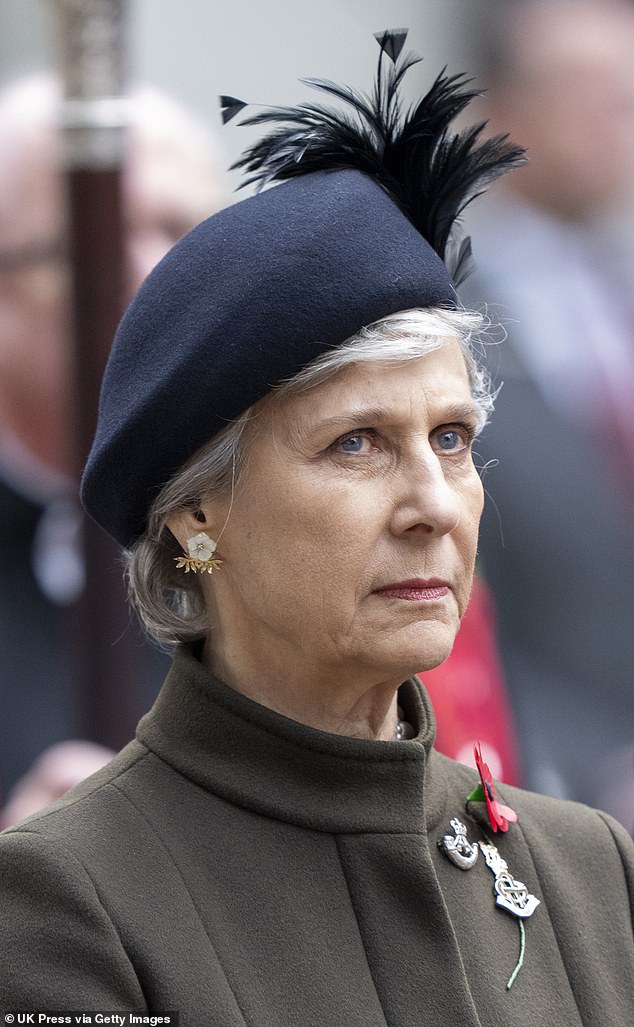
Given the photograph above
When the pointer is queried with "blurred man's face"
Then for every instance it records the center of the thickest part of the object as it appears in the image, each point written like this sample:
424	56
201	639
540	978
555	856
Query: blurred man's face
168	187
34	351
572	105
168	190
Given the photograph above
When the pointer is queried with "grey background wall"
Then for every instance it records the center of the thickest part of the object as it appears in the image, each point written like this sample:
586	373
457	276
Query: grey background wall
196	49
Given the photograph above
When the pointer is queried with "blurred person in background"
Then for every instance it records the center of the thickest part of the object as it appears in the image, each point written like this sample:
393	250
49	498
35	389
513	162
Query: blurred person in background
58	769
556	540
171	181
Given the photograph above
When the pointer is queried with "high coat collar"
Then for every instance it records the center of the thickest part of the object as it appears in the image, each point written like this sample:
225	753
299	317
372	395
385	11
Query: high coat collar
262	761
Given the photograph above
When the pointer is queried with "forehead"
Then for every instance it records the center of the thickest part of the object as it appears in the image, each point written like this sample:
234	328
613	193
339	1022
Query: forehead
415	387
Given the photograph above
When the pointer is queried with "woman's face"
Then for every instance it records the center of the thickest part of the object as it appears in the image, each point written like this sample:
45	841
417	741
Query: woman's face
364	482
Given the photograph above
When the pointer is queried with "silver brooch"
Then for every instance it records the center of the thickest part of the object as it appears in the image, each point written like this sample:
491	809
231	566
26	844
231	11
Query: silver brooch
511	895
459	849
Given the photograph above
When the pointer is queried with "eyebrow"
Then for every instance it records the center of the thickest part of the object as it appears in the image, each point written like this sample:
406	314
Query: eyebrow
365	417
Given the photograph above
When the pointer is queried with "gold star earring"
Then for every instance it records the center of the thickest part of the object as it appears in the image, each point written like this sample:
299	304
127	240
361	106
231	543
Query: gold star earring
201	549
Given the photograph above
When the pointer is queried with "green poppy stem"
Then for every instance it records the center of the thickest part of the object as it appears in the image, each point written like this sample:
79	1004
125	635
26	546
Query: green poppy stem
520	961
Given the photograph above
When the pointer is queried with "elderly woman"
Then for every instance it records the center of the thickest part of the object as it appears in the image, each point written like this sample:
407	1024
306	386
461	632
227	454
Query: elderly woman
285	448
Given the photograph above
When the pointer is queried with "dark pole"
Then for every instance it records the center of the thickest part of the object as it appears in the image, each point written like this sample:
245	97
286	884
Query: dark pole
105	647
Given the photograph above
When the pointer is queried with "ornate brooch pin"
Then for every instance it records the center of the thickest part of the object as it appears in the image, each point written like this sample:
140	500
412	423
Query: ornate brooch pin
511	895
459	849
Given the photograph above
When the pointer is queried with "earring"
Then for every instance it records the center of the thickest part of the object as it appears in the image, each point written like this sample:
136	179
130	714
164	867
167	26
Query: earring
201	550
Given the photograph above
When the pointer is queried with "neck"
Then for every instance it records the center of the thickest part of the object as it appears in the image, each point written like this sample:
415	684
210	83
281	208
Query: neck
323	699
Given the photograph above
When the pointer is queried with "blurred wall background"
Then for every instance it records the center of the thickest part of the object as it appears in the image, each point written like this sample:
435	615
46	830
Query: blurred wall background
197	49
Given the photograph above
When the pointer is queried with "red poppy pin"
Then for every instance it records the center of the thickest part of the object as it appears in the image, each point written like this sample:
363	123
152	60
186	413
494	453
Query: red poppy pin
499	815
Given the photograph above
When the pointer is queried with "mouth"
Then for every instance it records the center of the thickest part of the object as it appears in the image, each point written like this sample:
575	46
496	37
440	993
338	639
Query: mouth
416	590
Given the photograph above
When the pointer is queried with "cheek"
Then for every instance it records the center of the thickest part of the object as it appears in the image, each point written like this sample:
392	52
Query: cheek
475	500
466	534
468	490
308	542
34	346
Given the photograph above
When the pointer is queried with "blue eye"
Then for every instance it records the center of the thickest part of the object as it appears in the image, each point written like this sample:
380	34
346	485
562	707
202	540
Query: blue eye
360	444
449	440
352	444
453	440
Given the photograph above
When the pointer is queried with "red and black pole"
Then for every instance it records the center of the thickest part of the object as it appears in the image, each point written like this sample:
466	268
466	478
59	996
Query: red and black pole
106	651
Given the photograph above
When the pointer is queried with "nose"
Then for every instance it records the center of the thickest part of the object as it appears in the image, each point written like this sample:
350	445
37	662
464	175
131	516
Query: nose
426	502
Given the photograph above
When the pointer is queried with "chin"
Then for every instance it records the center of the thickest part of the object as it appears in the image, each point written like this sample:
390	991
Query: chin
433	641
433	660
412	655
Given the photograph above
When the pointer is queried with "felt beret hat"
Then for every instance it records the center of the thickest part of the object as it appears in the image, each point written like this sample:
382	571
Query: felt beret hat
259	290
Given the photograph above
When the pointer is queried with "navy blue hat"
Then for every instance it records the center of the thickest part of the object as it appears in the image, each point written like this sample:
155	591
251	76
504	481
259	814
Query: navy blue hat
251	296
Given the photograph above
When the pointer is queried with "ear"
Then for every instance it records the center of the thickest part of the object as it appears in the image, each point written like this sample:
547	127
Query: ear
190	522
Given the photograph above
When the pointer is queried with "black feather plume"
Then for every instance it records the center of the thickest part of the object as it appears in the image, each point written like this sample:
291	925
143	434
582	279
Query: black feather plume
230	106
431	173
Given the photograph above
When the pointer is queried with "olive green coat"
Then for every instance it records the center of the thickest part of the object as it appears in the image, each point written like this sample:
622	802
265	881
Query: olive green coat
246	870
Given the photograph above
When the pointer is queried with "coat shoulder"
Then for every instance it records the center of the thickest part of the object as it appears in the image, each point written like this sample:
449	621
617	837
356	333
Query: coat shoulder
50	905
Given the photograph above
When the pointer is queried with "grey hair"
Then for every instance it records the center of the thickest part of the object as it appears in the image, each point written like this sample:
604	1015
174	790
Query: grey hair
170	603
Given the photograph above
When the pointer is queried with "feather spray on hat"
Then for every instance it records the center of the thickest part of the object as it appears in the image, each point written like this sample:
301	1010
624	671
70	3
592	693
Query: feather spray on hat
430	172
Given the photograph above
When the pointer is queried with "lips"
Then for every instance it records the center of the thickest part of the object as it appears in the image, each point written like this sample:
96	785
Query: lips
416	589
